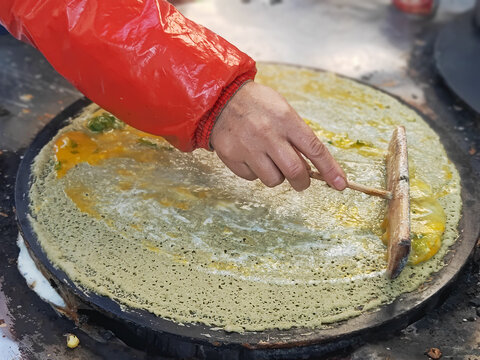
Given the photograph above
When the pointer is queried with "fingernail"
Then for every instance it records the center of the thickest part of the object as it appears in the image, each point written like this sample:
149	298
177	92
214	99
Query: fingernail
339	183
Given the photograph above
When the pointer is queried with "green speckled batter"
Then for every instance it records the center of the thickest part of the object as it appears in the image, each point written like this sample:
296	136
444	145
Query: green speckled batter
184	238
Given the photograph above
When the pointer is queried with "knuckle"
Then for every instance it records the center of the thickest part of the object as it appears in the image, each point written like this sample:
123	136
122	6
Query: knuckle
263	128
330	172
294	170
317	149
228	152
284	110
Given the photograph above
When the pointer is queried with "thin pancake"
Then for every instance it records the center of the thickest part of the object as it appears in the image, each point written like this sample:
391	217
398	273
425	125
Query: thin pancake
179	235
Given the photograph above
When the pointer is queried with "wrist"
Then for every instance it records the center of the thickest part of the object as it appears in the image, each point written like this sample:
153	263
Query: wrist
207	122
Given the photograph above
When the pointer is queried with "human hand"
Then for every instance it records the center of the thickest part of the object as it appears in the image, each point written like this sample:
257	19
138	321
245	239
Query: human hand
259	135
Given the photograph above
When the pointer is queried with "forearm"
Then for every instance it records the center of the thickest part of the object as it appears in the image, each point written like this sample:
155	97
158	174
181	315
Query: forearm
143	61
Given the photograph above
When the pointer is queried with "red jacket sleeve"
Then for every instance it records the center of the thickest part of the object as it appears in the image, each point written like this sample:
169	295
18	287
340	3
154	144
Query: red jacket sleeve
139	59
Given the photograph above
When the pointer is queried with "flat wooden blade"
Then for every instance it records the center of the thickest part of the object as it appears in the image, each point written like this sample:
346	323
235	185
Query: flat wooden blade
398	213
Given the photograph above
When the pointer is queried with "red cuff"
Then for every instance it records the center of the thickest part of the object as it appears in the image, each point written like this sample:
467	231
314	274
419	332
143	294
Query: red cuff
205	125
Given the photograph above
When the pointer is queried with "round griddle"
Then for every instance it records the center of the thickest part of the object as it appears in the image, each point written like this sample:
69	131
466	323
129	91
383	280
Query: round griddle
145	330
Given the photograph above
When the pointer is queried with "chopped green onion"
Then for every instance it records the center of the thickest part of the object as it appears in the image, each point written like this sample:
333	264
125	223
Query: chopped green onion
104	122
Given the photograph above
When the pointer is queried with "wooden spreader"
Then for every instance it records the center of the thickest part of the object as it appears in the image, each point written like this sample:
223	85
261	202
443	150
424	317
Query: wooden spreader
398	197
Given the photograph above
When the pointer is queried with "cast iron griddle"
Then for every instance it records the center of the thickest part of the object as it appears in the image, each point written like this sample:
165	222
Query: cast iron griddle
143	329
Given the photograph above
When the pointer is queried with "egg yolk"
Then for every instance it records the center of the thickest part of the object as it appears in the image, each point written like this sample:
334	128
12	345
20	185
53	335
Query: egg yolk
75	147
427	222
342	141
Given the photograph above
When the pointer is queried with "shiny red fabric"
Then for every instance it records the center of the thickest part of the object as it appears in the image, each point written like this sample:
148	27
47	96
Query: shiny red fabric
140	59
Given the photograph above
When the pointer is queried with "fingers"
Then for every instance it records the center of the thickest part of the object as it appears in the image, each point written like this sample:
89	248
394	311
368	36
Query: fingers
242	170
266	170
260	167
292	165
239	168
308	144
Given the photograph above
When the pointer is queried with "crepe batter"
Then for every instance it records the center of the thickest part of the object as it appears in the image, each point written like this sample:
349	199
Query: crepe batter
126	215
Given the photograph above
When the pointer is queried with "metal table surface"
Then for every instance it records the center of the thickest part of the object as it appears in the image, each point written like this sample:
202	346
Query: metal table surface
371	41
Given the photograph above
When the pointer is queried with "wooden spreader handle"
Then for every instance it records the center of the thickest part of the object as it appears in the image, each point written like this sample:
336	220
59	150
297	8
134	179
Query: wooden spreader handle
385	194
